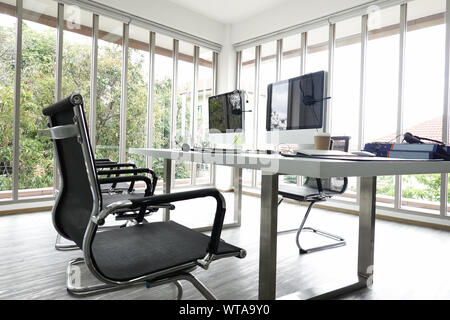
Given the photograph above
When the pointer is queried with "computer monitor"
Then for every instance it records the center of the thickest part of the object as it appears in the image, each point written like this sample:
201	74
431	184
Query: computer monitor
295	110
226	112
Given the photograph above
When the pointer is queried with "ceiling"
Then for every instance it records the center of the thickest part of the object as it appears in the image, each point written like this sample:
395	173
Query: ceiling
229	11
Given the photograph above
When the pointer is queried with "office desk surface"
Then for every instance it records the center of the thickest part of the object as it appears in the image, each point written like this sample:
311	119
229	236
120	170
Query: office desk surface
272	166
318	168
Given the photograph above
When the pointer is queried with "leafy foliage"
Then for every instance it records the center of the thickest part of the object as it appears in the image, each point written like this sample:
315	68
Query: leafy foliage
37	91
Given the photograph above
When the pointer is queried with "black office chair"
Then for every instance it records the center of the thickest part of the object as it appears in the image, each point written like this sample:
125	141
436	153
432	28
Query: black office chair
145	253
108	168
117	186
317	190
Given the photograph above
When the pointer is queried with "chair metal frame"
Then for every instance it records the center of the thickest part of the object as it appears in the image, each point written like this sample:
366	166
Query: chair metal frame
98	216
319	197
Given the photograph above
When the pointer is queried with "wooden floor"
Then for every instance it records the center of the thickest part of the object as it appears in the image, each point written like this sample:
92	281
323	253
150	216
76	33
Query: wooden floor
410	262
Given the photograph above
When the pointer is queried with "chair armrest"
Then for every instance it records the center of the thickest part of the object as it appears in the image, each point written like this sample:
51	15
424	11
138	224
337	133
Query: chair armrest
132	179
133	171
188	195
103	160
122	171
102	165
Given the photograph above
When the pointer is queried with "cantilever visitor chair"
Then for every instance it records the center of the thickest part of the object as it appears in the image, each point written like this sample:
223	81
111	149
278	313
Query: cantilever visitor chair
118	185
317	190
143	253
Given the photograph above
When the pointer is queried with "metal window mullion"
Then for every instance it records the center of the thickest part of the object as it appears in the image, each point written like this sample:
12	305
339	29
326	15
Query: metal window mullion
151	95
58	80
173	113
94	72
362	92
331	48
401	91
238	69
214	92
279	59
304	50
124	94
446	111
17	86
303	59
256	106
194	102
59	51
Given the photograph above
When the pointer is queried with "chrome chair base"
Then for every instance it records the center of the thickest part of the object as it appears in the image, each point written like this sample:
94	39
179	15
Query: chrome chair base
64	247
75	288
339	241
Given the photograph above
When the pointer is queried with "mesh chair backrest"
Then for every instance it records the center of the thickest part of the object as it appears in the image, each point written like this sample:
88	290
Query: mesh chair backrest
75	200
332	184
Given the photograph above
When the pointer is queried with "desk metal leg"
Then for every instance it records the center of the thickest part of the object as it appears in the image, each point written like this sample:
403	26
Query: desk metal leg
268	237
167	185
237	183
365	247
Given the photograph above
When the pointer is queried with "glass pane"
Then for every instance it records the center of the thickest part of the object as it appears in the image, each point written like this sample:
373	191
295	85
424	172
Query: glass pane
77	47
38	88
290	65
8	24
267	75
346	88
162	99
248	84
382	87
424	93
317	57
201	116
109	88
138	75
184	108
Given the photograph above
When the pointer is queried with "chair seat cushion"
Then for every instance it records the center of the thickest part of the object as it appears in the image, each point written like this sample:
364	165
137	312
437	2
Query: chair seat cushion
114	197
302	193
127	253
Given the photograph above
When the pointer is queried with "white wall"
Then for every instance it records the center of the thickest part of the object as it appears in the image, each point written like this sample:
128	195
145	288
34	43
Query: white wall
288	14
172	15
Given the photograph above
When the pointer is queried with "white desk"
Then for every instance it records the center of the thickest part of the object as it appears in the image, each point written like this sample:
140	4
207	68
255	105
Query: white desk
274	165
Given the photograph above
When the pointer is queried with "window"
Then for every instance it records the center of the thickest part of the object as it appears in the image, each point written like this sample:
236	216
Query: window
77	51
267	75
38	88
424	95
162	99
201	116
291	61
7	60
345	101
381	104
248	84
137	101
109	88
317	56
185	81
